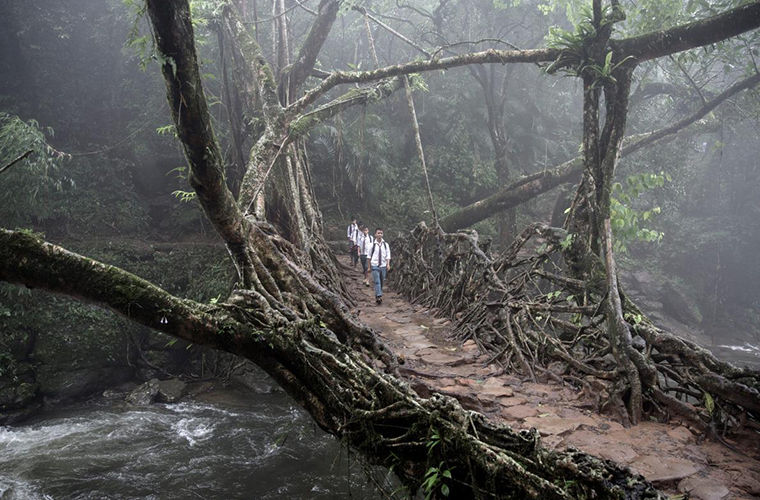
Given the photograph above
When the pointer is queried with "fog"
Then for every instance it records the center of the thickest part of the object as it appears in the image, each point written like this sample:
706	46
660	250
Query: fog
105	163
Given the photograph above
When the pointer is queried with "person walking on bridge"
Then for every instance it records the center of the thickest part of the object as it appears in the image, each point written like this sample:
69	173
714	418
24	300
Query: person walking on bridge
380	263
364	243
352	233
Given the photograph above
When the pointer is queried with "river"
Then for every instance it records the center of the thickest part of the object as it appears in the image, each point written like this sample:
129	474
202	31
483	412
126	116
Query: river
232	445
225	444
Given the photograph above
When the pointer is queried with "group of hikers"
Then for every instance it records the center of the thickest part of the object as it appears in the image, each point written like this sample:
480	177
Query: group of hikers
373	252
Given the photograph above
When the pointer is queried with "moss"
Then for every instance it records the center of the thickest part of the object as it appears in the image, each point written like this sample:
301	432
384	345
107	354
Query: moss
84	344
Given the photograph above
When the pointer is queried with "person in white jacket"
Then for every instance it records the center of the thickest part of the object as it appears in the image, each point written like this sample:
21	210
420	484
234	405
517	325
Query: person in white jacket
380	263
352	233
364	243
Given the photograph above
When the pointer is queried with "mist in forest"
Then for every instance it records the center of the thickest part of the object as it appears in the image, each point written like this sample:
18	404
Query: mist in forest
105	163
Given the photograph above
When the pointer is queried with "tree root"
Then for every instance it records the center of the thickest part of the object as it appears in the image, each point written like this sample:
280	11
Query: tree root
524	308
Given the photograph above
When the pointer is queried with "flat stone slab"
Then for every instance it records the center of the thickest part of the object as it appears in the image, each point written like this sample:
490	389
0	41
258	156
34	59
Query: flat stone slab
519	412
494	388
409	329
402	320
591	441
433	355
659	469
557	425
703	488
681	434
512	401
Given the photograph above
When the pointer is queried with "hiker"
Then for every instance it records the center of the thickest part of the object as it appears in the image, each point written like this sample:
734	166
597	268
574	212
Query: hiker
364	243
380	263
352	233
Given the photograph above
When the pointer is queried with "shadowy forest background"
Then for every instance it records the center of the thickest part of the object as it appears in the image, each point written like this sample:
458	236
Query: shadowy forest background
105	163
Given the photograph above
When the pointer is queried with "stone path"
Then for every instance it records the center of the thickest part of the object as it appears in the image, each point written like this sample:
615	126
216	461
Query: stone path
669	455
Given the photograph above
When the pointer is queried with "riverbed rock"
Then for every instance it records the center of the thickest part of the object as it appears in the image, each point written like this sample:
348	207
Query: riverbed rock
18	395
56	384
170	391
144	394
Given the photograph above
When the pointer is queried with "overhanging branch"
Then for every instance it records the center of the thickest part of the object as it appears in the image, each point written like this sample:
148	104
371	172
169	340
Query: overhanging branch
354	97
532	185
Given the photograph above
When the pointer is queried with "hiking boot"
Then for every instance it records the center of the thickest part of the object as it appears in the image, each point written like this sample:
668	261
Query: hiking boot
378	300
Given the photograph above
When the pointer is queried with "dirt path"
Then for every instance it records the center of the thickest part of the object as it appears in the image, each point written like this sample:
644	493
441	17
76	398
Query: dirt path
669	455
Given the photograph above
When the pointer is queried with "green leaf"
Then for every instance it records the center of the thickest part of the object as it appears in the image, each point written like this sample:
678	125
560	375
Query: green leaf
709	403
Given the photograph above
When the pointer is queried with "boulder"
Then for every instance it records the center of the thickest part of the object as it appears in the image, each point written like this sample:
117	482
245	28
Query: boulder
68	385
170	391
144	394
679	305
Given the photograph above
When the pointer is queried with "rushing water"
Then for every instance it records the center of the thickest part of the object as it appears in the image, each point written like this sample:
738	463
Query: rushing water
238	446
746	354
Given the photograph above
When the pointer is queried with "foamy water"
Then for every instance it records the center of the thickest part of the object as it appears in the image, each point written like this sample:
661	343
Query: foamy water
263	448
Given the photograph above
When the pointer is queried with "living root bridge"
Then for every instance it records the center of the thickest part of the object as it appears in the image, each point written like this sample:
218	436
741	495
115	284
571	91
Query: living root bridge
525	309
371	411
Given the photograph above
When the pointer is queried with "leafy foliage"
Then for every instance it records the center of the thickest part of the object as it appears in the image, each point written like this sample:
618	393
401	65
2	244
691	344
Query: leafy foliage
27	186
627	221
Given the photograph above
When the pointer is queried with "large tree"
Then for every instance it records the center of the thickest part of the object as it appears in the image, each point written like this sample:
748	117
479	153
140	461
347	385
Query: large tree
288	312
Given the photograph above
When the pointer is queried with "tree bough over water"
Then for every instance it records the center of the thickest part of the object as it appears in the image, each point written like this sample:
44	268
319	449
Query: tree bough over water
289	312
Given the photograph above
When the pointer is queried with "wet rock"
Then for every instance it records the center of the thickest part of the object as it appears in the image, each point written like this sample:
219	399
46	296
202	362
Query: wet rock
144	394
170	391
66	385
19	398
254	379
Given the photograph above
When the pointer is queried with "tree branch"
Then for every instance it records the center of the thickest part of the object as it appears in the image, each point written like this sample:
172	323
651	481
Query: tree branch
354	97
297	73
175	42
532	185
691	35
28	260
21	157
486	56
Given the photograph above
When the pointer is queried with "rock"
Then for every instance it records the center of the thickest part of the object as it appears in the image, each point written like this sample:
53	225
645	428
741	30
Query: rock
514	401
66	385
170	391
519	412
469	346
703	488
602	445
659	469
495	388
638	343
145	394
403	320
552	425
681	433
679	305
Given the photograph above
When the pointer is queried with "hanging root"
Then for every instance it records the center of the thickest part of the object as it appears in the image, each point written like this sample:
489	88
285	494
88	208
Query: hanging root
525	310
